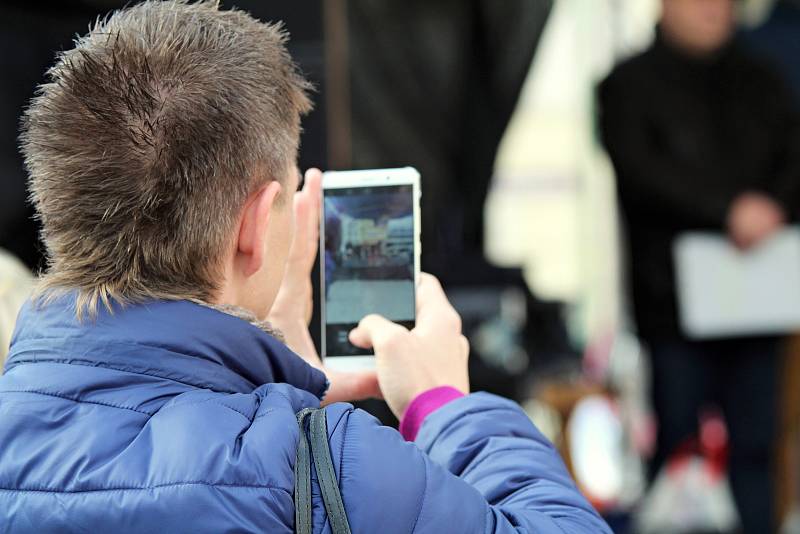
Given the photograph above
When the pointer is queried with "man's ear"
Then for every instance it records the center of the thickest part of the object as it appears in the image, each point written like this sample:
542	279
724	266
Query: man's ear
253	228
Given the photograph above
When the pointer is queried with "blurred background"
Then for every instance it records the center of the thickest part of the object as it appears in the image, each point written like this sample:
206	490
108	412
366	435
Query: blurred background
564	147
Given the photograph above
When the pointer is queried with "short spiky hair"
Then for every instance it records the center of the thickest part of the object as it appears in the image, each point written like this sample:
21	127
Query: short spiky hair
145	142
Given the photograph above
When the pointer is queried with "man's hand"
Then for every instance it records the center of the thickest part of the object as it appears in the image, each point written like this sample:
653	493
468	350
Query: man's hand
411	362
752	218
294	304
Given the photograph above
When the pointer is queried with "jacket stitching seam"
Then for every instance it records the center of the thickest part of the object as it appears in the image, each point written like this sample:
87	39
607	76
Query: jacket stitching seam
249	420
144	488
121	342
422	497
341	450
212	400
264	413
90	363
339	421
267	393
280	394
79	401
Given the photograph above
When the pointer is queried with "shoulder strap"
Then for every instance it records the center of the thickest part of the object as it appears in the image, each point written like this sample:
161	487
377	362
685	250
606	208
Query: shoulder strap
329	485
302	479
327	476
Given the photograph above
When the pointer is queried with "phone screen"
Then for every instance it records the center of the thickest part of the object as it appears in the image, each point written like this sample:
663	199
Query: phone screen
368	260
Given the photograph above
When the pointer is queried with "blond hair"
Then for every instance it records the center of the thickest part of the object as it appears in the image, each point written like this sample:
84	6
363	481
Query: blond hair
147	139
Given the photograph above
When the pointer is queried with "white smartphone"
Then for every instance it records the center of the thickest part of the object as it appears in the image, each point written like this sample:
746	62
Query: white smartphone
369	256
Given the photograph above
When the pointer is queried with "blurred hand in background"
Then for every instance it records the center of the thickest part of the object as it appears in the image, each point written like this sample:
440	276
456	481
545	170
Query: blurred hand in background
752	218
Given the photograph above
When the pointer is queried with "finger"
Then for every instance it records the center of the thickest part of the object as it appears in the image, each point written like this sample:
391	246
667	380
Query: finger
312	190
428	279
313	180
347	387
306	232
465	345
360	339
427	288
373	330
745	242
312	187
297	250
434	311
429	291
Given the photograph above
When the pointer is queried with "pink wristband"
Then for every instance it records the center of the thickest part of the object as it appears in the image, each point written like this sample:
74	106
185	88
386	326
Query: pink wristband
422	406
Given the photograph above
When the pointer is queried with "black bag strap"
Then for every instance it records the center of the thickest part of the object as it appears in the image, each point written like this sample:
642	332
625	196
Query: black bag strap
329	485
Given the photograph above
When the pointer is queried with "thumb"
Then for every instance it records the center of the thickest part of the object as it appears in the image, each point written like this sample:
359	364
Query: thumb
372	330
349	387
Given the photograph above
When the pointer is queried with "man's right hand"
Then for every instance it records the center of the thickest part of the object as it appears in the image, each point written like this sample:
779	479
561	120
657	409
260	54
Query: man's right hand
410	362
752	218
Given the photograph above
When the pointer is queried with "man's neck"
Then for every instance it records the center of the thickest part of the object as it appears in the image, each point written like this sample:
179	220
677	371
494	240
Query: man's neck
245	315
701	55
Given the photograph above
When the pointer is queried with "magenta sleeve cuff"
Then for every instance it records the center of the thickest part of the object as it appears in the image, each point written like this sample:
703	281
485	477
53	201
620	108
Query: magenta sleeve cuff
423	405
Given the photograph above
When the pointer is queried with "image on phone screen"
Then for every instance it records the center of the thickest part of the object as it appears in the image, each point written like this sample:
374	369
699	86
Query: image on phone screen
368	260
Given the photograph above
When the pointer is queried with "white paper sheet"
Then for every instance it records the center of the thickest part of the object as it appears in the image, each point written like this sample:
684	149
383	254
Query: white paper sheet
725	292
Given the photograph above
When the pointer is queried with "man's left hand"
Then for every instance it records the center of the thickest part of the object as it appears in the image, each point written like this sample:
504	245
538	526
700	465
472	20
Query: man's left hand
294	304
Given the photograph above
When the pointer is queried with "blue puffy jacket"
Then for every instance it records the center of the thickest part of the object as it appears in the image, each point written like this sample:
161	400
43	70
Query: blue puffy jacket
174	417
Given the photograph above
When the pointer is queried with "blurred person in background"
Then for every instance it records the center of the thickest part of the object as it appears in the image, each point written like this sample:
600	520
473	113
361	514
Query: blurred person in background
148	387
703	136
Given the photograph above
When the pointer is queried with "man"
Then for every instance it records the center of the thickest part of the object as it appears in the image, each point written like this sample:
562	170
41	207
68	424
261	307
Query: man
143	390
703	137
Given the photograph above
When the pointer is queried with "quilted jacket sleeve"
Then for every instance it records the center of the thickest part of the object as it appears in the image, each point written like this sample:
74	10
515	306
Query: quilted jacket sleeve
478	466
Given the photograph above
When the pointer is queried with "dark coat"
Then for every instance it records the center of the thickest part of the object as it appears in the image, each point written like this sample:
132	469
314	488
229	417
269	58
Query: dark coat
686	137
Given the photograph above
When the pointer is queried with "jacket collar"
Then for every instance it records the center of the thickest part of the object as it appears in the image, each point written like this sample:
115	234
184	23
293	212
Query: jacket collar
176	340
